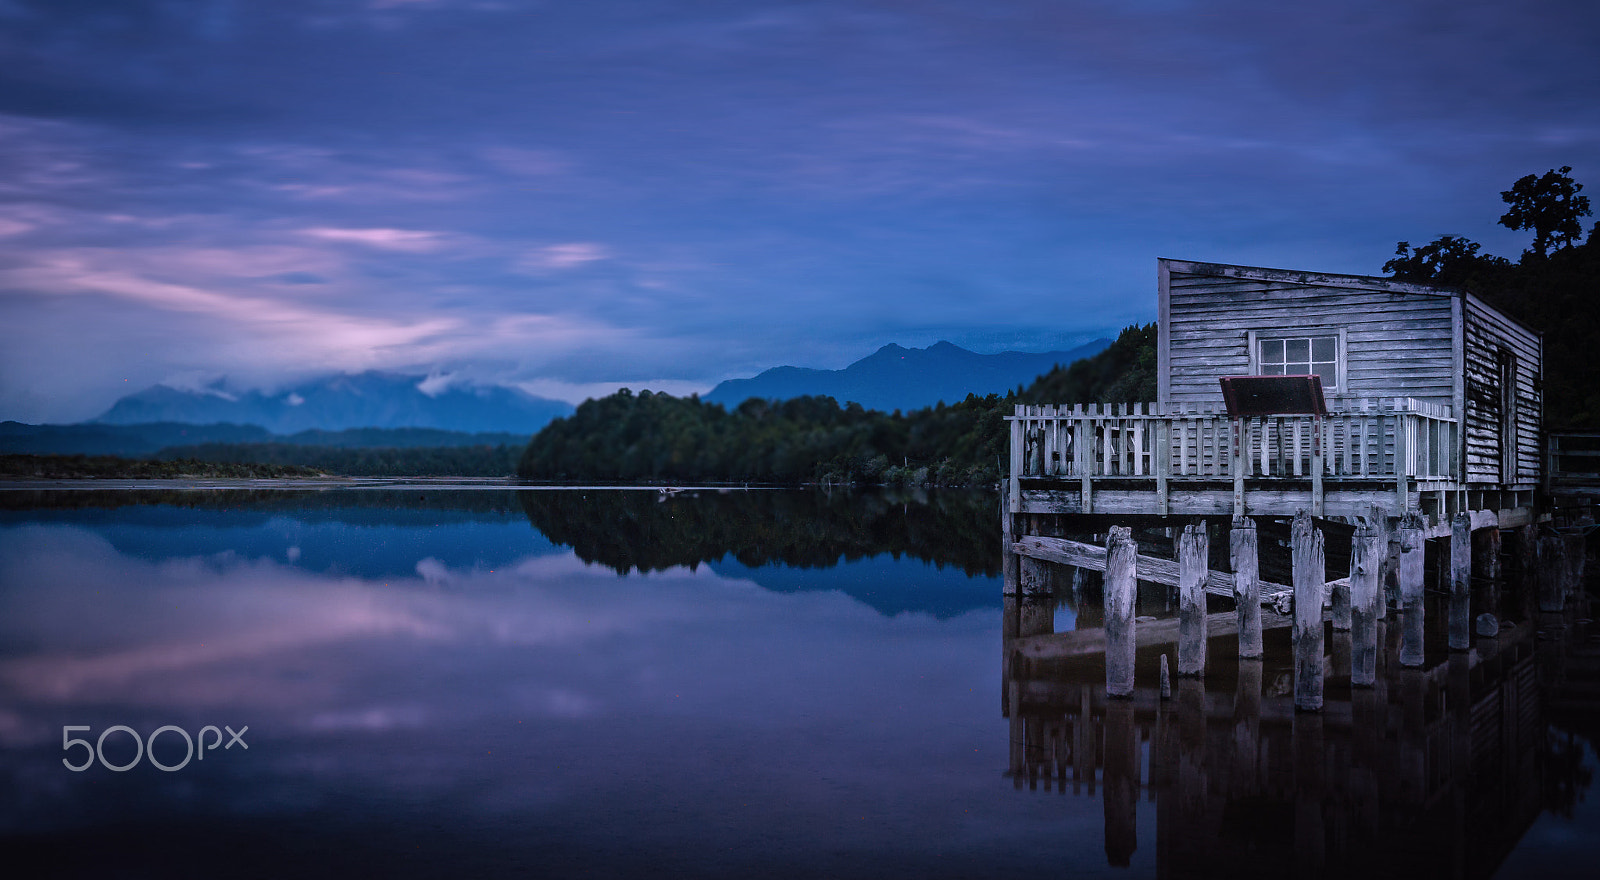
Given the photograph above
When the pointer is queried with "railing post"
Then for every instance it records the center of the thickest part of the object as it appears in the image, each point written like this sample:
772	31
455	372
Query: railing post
1241	455
1316	465
1402	459
1084	456
1161	460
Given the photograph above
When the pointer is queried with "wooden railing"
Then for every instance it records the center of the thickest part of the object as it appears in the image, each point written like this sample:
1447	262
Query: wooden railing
1384	440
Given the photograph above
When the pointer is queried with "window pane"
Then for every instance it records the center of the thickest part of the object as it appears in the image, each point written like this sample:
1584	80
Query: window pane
1297	368
1272	369
1297	349
1272	351
1323	348
1330	376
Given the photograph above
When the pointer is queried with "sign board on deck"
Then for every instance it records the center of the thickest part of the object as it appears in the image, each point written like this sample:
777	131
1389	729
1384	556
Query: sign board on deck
1274	395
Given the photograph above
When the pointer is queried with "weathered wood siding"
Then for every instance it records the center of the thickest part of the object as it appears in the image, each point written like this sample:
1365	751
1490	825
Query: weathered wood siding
1397	338
1489	337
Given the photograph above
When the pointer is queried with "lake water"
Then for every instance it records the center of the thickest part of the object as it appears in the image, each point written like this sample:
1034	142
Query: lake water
744	684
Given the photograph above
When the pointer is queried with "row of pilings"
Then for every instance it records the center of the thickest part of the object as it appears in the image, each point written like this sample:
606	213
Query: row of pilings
1354	604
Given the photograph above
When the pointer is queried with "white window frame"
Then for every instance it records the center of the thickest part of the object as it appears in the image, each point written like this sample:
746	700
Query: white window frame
1341	366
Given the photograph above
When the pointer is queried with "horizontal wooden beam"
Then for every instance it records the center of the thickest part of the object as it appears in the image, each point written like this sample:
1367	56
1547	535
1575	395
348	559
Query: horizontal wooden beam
1153	569
1149	568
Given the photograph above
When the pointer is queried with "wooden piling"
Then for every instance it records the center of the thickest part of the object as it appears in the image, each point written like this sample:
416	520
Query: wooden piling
1460	632
1385	564
1246	585
1552	567
1121	581
1412	543
1166	680
1486	553
1009	561
1193	552
1527	549
1365	599
1339	595
1308	561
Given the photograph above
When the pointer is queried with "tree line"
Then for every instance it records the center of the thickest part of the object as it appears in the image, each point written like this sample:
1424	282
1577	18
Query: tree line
1554	286
651	436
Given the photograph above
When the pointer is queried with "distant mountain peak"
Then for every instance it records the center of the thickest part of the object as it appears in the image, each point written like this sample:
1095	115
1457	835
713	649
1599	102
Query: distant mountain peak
896	377
370	399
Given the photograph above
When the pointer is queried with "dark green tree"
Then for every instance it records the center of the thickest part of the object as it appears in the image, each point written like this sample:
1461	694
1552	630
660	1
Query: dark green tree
1449	259
1550	206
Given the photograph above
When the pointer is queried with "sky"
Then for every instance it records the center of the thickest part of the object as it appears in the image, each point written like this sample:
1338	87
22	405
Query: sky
570	197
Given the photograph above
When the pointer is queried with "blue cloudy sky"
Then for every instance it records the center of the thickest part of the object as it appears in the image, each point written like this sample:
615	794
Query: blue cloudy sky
573	196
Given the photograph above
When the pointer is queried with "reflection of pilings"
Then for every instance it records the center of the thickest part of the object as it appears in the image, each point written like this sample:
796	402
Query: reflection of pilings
1246	588
1413	757
1121	781
1247	724
1412	547
1365	563
1309	576
1034	577
1460	613
1192	780
1367	723
1193	553
1036	616
1120	596
1310	834
1019	735
1083	746
1244	783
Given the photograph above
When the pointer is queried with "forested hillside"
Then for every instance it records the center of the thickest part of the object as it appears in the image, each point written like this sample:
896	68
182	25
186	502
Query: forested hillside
649	436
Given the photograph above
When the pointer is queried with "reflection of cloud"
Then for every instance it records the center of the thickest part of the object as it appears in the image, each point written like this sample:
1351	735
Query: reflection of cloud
376	718
541	693
433	571
341	614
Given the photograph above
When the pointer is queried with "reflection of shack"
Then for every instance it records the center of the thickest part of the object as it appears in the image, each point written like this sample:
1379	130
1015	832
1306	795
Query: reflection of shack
1432	772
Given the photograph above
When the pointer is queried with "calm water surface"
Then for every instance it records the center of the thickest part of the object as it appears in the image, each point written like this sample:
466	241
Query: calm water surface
606	683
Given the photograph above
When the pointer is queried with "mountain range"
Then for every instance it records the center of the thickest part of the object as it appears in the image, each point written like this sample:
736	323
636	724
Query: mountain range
901	378
157	437
336	403
389	410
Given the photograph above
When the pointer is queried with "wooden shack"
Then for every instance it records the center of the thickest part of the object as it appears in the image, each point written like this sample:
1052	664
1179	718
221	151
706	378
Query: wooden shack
1433	405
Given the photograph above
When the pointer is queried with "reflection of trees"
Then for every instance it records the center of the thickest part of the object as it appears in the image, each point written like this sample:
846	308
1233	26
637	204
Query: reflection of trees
628	530
282	500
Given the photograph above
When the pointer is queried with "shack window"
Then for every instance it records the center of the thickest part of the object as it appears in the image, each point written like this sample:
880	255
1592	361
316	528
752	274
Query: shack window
1300	356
